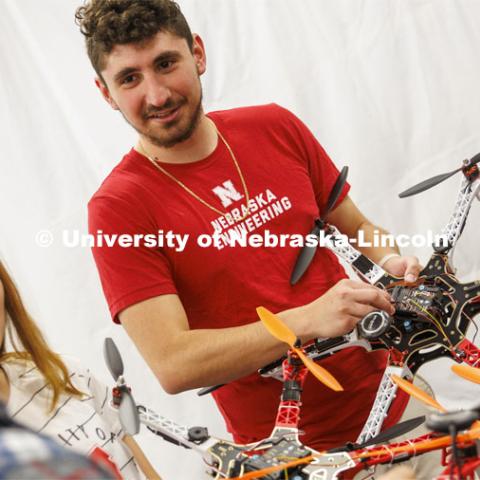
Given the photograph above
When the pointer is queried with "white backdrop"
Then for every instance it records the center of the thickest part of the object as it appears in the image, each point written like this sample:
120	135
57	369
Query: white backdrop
390	88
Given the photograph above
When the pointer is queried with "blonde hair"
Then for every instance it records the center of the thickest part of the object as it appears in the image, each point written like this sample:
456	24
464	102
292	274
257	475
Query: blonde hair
21	327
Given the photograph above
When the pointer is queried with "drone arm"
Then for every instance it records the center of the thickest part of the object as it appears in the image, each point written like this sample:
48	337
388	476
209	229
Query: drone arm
385	395
348	219
322	348
167	428
467	352
452	231
367	269
288	414
213	451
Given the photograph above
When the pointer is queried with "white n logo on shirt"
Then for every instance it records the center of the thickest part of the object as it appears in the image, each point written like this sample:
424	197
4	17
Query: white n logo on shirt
227	193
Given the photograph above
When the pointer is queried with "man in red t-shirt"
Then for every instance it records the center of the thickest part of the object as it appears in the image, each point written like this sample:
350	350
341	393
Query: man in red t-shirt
189	306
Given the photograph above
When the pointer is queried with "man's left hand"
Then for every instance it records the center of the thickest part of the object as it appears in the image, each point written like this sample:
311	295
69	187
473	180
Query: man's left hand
403	266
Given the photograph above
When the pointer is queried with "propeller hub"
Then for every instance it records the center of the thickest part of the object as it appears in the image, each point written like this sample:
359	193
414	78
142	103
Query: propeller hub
470	170
320	223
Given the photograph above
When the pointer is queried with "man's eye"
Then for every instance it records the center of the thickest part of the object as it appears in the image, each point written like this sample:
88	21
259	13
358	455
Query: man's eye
128	79
165	64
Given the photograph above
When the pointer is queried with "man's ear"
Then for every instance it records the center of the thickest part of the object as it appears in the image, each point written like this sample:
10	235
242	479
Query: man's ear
105	93
199	55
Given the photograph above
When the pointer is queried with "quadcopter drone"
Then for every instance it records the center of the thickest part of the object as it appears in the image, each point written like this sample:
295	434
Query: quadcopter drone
432	314
282	456
225	459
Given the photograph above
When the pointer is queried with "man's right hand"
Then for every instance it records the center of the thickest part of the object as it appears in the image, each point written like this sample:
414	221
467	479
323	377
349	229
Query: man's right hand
338	310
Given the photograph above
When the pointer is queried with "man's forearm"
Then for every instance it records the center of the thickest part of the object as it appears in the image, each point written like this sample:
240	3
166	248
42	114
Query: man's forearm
373	247
222	355
201	357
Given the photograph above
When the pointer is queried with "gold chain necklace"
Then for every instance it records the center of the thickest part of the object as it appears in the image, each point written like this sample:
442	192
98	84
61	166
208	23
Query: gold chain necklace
154	162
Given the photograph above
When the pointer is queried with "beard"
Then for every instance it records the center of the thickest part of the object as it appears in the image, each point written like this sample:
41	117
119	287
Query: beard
176	131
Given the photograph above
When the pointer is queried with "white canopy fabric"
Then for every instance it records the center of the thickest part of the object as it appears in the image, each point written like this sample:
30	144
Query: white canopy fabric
390	88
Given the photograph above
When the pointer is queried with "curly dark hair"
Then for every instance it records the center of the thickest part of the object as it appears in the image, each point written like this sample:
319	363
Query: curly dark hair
106	23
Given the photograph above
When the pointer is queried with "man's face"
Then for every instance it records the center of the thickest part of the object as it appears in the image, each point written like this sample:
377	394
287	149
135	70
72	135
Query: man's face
156	86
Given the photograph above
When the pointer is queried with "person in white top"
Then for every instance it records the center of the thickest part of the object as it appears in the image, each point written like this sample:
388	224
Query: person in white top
60	398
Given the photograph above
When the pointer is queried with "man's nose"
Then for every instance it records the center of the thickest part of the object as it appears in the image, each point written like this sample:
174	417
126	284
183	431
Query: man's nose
156	93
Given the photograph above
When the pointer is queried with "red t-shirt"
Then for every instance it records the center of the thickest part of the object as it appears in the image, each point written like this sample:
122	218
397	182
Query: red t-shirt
288	176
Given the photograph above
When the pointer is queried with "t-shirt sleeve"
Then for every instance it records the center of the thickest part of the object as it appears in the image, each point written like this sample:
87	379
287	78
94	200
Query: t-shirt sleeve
132	271
322	170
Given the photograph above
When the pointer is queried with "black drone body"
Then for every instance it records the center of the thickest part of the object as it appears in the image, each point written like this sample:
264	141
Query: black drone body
431	317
